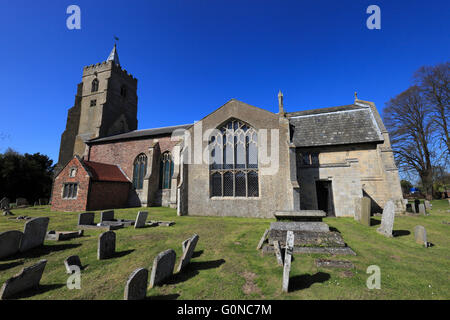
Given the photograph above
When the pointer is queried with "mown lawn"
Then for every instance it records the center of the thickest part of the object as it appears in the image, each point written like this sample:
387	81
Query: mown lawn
227	265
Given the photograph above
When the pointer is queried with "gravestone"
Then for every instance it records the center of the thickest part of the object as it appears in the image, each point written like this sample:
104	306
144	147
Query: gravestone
409	207
387	219
21	202
188	252
287	260
4	203
427	205
72	261
107	215
140	219
420	235
422	209
34	233
136	286
263	238
10	243
277	247
86	218
185	243
27	279
106	245
416	205
365	211
162	269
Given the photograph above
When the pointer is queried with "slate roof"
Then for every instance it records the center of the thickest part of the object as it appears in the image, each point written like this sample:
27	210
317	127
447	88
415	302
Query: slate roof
334	126
105	172
137	134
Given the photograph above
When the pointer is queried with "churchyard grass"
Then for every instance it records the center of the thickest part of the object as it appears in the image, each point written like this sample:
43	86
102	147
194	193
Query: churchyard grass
226	264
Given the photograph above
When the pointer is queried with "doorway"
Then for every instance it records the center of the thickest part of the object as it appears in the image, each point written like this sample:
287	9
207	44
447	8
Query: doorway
325	197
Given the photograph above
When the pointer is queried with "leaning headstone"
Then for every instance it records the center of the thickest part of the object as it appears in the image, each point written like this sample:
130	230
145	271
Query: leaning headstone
365	211
185	243
416	205
162	267
420	235
21	202
106	245
34	233
10	243
4	203
107	215
86	218
72	261
188	252
387	220
422	209
140	219
263	238
27	279
136	287
357	215
276	245
287	260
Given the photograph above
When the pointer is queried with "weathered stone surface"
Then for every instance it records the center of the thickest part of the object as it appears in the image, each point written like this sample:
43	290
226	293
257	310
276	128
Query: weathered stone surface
277	247
309	238
4	203
34	233
188	252
301	215
63	235
185	243
387	220
101	226
427	205
300	226
106	245
263	238
357	215
163	266
21	202
86	218
324	263
107	215
136	286
287	260
27	279
309	250
365	211
420	235
140	219
422	209
10	243
72	261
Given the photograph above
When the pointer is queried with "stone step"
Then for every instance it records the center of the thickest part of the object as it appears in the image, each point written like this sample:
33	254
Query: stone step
308	238
299	226
301	215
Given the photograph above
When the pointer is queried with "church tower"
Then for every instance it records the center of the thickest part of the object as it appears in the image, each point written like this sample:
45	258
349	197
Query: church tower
105	105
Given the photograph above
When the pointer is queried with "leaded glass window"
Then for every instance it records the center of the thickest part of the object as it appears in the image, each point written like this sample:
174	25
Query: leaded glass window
94	86
165	171
234	161
70	190
139	171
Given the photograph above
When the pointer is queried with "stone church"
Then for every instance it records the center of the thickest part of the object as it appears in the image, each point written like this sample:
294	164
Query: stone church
239	160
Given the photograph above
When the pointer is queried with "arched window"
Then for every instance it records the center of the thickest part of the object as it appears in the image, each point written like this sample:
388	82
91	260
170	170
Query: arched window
165	171
234	161
139	171
94	87
123	91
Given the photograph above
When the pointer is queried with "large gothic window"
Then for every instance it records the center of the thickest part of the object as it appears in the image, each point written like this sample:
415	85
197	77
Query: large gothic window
94	87
234	161
139	171
165	171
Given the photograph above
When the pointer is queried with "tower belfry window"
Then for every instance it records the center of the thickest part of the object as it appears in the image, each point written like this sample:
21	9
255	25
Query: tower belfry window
94	87
123	91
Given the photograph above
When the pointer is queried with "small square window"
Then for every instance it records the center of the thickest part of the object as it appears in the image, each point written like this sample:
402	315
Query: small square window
93	103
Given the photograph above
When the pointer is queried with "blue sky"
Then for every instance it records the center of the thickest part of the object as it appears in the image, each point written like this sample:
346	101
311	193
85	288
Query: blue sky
192	56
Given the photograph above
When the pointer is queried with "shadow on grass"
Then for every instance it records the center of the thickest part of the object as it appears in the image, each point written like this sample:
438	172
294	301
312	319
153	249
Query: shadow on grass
333	229
192	269
122	253
10	265
197	254
305	281
164	297
42	250
41	289
374	222
400	233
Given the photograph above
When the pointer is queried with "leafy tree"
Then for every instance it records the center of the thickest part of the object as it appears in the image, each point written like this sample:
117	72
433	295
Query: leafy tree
406	186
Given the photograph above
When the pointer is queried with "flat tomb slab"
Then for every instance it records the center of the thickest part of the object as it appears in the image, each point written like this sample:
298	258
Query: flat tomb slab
320	250
301	215
100	227
300	226
308	238
63	235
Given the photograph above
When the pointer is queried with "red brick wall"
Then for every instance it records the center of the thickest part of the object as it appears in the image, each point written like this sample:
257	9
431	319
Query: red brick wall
81	177
123	153
108	195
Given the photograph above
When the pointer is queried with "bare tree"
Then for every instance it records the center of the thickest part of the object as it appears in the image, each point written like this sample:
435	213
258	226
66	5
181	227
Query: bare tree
410	124
434	82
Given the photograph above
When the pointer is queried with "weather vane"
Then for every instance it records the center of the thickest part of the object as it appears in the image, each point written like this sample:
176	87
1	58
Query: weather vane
116	39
